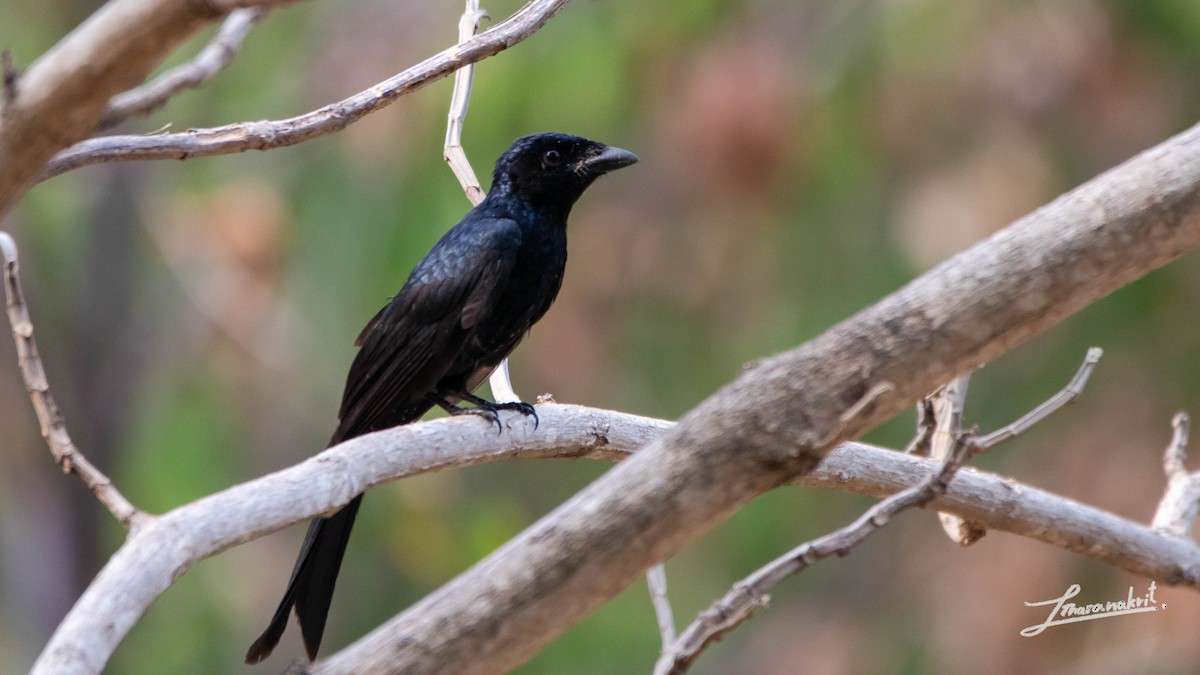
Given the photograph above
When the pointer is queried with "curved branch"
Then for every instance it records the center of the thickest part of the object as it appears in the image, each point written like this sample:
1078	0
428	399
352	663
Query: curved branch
165	546
334	117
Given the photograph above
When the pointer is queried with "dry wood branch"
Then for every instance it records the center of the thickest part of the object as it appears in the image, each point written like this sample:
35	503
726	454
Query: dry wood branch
456	158
1181	503
165	546
781	416
54	429
1067	396
211	60
950	445
60	98
267	135
735	607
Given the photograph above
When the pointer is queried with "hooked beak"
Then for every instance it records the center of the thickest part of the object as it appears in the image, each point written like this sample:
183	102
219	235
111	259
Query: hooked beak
610	159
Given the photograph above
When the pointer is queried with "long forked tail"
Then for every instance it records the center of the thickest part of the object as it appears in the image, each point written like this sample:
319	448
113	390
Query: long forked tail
311	587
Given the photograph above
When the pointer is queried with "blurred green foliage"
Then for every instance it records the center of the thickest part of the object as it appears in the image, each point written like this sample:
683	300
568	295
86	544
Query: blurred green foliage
799	161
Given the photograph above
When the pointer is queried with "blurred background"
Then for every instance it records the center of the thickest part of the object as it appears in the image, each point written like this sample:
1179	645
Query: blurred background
800	159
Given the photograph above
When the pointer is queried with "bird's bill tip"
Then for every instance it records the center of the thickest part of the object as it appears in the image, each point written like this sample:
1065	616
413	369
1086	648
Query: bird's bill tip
611	159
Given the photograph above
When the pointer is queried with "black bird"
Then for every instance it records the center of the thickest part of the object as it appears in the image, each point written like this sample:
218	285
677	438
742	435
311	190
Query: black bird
464	308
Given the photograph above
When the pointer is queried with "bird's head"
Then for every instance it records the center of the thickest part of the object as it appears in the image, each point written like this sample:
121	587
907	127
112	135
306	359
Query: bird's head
552	170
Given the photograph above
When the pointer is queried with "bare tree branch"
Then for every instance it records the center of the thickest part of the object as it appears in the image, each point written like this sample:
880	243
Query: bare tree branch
1181	503
782	415
1067	396
211	60
951	446
165	546
266	135
54	429
60	98
735	607
656	581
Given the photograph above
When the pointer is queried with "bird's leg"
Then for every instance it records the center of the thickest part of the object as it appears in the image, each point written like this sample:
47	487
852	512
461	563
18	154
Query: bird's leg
519	406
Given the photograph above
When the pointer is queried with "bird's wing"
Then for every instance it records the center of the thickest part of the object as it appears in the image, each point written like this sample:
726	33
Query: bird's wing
409	345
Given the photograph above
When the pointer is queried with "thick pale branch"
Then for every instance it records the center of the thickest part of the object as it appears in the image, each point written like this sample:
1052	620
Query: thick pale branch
163	547
60	98
267	135
782	415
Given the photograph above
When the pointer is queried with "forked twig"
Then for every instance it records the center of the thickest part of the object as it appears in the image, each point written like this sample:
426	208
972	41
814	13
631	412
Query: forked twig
940	430
736	606
53	427
265	135
211	60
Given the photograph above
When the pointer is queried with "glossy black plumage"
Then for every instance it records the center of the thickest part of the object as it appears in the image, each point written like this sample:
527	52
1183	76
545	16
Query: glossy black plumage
465	306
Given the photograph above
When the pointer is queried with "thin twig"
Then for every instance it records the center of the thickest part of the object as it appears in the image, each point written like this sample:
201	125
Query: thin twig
456	158
460	100
736	606
267	135
948	442
1067	396
211	60
656	580
1181	503
53	427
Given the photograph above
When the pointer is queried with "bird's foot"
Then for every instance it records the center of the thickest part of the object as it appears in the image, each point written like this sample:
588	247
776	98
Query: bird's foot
489	410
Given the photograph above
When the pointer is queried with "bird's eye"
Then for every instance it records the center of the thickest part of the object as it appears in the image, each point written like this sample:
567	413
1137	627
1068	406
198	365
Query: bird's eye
552	158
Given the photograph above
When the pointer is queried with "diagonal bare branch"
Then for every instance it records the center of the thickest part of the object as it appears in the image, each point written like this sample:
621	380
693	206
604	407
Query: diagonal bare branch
1068	395
267	135
735	607
211	60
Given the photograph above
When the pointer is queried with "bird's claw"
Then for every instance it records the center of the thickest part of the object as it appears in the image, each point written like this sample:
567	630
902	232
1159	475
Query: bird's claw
488	411
522	407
